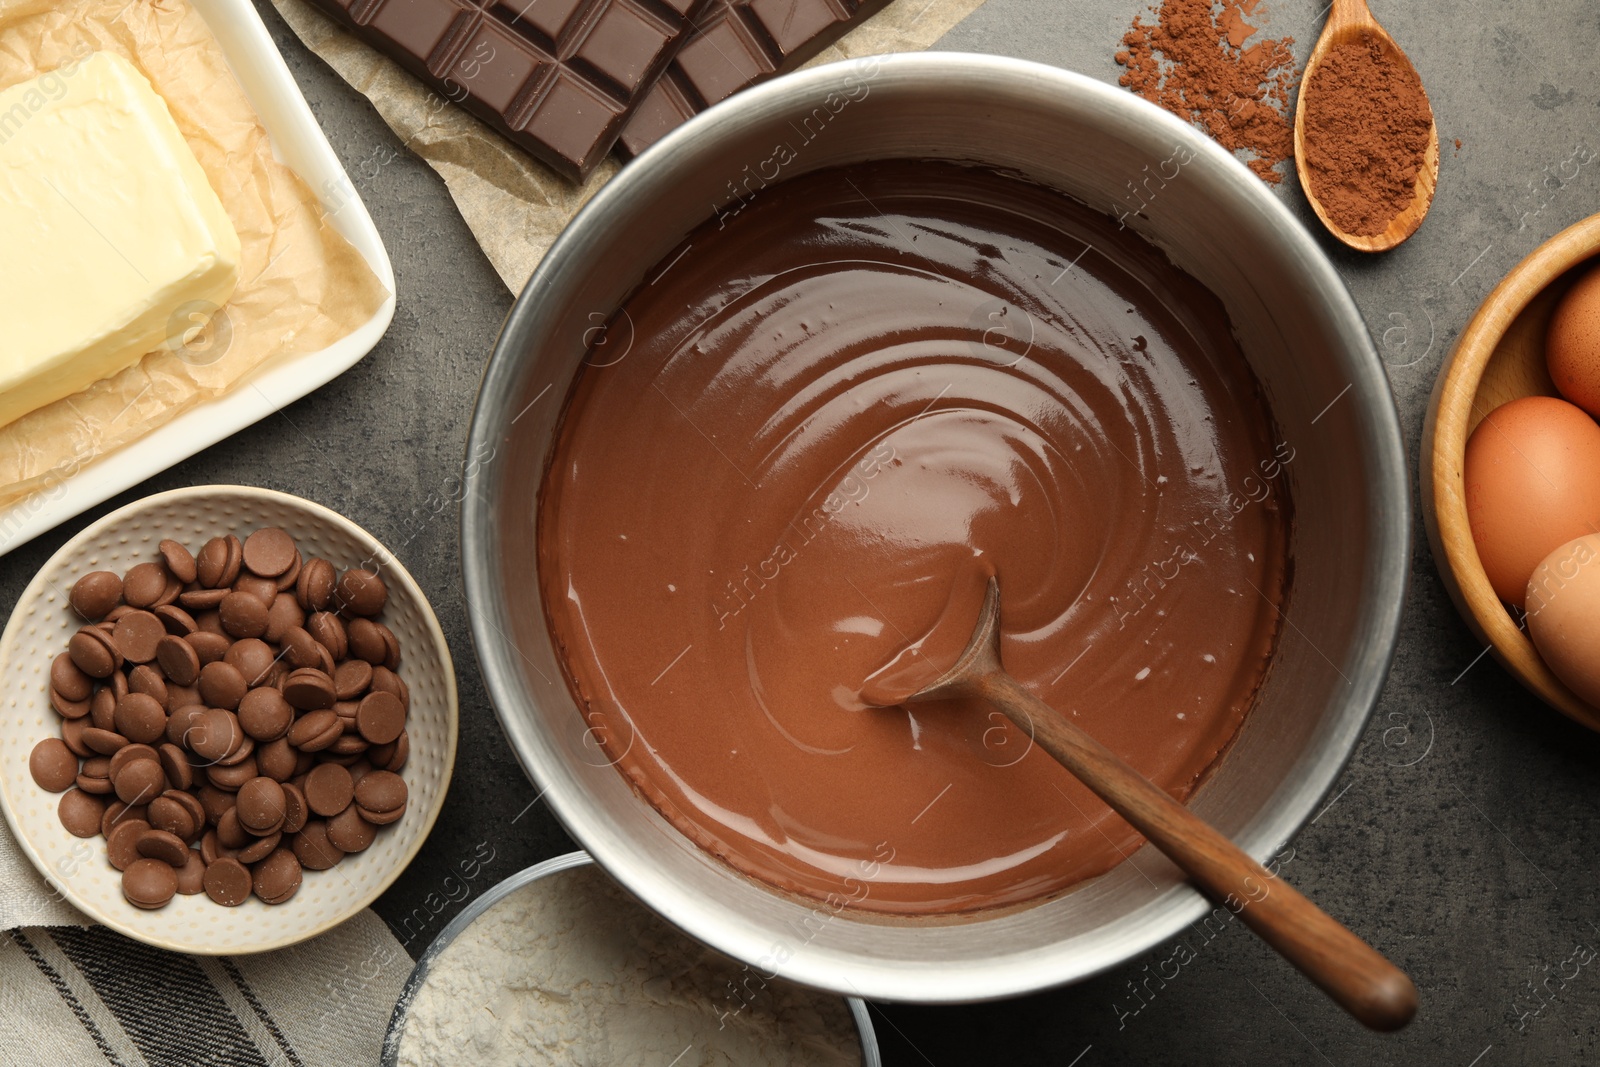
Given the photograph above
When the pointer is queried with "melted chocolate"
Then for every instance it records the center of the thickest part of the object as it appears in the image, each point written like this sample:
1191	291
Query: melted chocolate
835	400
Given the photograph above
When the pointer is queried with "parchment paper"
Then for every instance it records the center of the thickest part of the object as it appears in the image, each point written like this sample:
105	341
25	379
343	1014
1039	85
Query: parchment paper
301	285
515	205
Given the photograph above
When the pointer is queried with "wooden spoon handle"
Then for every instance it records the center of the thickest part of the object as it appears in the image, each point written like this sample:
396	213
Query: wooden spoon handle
1352	972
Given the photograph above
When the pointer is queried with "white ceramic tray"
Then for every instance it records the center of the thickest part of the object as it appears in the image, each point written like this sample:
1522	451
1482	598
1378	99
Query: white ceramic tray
297	142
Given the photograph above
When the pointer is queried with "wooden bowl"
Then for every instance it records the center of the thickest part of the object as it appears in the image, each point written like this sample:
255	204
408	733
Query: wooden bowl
1499	358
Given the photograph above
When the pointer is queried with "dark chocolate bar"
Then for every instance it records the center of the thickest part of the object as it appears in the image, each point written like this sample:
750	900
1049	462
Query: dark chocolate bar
736	44
557	77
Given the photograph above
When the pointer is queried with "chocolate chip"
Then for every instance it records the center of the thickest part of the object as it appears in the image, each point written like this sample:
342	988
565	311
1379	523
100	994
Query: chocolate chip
149	883
349	746
269	551
140	782
181	696
241	752
265	715
181	721
177	621
222	686
212	563
227	882
309	689
202	599
291	577
231	778
315	587
208	647
216	802
118	813
144	583
231	832
252	658
360	592
277	759
349	832
295	808
179	560
212	850
380	717
80	812
192	803
127	754
140	718
167	814
365	641
67	679
93	653
122	845
53	766
259	848
243	614
300	648
178	660
284	615
277	878
315	731
137	635
192	875
170	594
161	845
149	681
261	805
105	742
95	594
391	645
213	734
263	589
329	789
68	709
313	849
94	776
381	791
351	679
392	757
103	709
72	737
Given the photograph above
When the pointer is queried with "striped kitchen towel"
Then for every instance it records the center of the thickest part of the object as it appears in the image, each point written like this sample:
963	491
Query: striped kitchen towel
73	994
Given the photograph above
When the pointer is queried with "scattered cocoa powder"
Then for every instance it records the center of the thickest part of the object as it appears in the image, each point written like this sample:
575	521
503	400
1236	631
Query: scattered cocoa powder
1193	62
1367	127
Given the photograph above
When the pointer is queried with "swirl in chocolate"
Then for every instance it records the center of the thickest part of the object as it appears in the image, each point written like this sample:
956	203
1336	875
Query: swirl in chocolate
833	405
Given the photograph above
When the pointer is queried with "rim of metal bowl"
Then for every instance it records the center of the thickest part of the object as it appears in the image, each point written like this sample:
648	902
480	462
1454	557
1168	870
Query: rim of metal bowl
390	1056
1385	585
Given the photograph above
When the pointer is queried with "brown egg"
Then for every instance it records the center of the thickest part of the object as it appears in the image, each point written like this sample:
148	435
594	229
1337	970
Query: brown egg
1572	345
1564	614
1532	472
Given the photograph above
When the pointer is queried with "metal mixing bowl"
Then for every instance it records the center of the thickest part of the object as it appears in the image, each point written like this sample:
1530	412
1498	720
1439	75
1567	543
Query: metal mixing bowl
1297	326
390	1057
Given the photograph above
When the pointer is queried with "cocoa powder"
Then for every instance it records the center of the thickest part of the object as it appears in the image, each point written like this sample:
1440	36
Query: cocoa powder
1193	61
1367	128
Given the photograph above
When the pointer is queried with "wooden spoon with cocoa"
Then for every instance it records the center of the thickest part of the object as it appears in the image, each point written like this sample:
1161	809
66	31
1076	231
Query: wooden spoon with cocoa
1365	144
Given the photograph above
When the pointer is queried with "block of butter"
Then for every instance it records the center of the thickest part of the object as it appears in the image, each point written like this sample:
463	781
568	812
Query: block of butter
112	241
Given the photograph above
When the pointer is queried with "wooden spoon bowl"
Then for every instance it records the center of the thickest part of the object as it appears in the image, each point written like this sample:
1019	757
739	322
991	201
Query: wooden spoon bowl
1499	358
1347	21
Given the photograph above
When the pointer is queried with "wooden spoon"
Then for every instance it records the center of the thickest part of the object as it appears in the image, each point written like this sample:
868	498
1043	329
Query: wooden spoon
1353	973
1347	21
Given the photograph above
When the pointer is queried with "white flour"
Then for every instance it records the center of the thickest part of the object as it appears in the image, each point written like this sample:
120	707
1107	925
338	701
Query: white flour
570	970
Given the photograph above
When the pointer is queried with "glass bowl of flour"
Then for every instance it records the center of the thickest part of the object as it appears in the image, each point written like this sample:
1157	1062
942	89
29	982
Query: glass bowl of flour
558	965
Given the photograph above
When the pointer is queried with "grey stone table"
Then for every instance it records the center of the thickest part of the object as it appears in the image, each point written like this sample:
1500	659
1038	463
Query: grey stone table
1463	838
